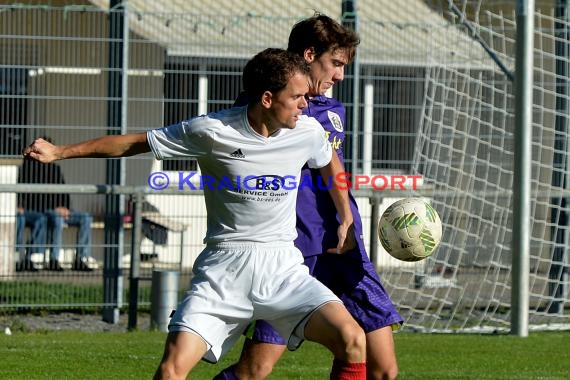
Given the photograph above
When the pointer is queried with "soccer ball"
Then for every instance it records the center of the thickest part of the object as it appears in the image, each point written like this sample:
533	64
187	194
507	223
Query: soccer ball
410	229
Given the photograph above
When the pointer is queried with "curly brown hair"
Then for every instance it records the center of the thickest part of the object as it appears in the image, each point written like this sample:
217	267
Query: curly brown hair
323	34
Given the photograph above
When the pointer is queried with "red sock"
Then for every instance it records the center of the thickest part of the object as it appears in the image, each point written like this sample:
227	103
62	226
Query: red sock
348	371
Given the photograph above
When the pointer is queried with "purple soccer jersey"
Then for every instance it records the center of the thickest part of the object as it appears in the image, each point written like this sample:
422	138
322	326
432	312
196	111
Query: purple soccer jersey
351	276
317	230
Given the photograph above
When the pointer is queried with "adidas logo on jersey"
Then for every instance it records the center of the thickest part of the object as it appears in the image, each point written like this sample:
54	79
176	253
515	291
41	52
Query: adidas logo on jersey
237	154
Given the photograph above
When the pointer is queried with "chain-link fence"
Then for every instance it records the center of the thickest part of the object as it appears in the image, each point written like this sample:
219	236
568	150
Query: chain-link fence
424	97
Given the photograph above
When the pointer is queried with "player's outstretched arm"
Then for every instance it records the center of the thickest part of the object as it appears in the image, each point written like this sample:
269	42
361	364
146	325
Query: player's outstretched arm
339	195
106	146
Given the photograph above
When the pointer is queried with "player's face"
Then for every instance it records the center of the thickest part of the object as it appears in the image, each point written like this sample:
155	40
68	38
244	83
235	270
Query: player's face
326	70
287	104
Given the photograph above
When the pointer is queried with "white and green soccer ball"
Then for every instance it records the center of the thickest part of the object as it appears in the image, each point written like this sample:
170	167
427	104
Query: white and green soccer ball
410	229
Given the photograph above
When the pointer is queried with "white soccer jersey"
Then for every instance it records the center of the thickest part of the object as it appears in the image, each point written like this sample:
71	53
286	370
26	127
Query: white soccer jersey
250	181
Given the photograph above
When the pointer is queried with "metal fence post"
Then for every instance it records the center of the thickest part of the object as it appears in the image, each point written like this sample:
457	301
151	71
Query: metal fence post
138	199
375	202
114	203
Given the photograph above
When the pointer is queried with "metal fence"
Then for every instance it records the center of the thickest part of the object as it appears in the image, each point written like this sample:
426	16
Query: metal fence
423	98
119	276
74	72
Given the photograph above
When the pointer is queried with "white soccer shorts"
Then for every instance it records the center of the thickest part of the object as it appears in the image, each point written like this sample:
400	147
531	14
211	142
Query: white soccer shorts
234	284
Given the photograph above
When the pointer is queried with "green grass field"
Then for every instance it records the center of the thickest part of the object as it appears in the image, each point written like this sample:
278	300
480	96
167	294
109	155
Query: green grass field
135	355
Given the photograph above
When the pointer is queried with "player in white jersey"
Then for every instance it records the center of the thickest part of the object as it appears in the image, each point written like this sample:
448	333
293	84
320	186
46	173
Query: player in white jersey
250	268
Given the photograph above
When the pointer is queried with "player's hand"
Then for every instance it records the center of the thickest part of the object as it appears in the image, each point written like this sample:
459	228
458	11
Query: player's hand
42	151
346	239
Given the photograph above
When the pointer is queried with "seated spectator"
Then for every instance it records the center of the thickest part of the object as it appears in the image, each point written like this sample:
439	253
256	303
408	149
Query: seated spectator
57	212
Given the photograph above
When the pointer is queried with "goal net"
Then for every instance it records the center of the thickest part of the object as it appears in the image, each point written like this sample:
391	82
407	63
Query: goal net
465	153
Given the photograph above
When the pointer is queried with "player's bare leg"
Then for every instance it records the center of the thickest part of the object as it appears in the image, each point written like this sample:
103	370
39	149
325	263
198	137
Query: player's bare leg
332	326
381	363
257	360
182	351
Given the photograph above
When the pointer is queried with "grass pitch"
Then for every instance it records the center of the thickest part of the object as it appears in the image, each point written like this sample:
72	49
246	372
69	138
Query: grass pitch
135	355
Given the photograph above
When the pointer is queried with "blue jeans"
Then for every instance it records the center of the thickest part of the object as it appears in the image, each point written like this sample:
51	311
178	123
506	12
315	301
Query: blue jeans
81	220
37	222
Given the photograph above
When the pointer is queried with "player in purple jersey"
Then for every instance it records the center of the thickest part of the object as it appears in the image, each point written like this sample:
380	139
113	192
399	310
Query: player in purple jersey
328	47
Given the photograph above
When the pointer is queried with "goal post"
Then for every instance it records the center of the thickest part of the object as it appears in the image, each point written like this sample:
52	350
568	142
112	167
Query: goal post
522	168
